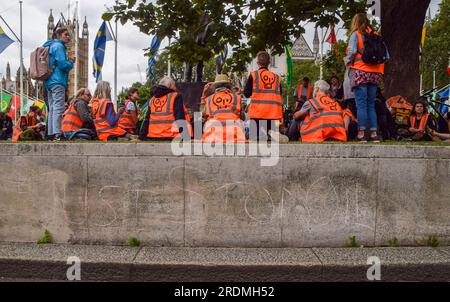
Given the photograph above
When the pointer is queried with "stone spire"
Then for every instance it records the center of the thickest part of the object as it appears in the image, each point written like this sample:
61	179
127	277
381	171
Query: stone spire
8	72
51	25
85	29
316	42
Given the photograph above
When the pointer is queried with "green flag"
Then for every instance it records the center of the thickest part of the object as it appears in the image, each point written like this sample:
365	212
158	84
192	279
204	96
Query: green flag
4	101
24	107
290	66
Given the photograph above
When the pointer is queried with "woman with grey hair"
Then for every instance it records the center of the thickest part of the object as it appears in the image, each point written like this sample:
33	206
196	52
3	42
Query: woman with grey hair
165	108
322	117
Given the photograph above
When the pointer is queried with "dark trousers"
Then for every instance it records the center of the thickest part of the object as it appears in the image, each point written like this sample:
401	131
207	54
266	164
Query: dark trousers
259	130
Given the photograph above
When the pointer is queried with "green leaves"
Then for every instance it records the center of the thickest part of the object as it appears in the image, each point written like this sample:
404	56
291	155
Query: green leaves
46	238
131	3
246	25
107	16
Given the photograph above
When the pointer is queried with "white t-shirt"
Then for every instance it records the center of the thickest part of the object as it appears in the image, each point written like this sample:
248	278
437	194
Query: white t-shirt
130	107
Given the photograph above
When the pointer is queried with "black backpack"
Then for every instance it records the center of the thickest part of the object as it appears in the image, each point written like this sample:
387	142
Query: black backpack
375	50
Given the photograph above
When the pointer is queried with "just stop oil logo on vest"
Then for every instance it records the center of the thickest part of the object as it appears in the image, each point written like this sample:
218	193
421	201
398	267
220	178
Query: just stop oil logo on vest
268	78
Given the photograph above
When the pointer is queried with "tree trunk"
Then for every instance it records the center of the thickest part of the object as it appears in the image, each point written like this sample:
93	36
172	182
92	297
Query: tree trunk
200	68
401	23
187	72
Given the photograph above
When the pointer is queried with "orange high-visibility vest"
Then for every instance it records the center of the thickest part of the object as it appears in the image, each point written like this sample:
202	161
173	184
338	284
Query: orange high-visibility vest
224	125
17	131
161	122
31	121
300	93
326	123
266	101
104	129
359	63
349	113
71	120
223	105
16	134
126	121
423	121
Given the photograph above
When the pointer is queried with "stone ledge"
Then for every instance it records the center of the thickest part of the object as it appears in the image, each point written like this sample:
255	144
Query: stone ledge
100	263
286	150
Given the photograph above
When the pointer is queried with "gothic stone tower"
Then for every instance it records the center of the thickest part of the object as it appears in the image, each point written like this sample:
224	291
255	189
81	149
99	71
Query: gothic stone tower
83	50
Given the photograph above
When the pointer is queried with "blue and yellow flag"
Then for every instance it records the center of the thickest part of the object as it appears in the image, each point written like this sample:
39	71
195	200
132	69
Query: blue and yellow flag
5	41
154	48
103	35
221	58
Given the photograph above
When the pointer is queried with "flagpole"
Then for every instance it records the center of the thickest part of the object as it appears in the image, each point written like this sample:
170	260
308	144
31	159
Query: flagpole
434	84
21	57
321	54
421	84
15	102
1	90
76	50
115	68
169	67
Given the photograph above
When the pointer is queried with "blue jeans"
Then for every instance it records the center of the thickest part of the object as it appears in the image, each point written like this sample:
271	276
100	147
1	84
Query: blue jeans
365	95
56	108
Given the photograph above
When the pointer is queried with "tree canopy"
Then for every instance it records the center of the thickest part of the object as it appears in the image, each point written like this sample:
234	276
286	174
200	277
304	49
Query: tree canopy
200	28
437	47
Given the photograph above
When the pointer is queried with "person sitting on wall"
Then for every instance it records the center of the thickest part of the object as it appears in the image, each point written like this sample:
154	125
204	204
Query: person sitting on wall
440	136
336	90
302	93
350	121
323	117
166	114
77	122
6	127
129	119
106	120
223	114
421	122
26	129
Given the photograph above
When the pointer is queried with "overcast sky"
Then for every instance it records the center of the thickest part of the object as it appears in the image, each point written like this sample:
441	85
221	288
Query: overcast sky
131	41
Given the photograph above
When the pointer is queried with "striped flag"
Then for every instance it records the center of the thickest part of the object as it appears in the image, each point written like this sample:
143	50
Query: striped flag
103	36
221	58
5	41
154	48
289	66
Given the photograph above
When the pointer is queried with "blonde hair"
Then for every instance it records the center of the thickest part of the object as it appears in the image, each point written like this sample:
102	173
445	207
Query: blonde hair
360	22
80	92
103	90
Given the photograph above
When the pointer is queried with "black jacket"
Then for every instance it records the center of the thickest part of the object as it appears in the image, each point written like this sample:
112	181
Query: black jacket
178	108
85	114
8	124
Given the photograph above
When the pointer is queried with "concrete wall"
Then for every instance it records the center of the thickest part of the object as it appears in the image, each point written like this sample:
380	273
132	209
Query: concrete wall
317	195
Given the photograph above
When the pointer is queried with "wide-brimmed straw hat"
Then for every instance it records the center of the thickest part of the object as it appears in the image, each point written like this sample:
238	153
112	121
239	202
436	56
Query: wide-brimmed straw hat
222	78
